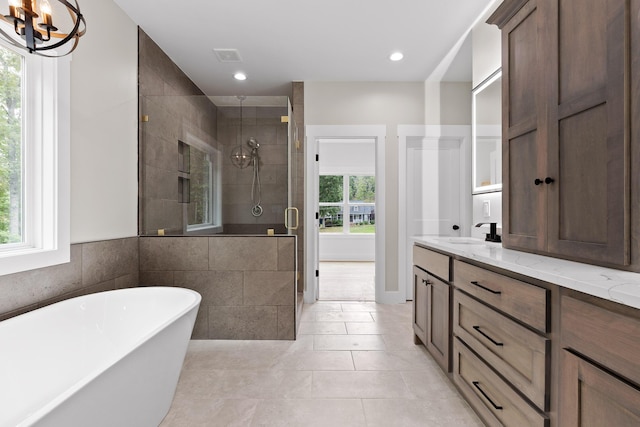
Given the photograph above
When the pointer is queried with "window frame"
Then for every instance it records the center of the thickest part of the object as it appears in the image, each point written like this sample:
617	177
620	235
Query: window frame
46	165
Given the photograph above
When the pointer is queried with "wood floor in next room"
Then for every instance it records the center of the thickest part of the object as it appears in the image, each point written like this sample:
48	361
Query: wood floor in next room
354	364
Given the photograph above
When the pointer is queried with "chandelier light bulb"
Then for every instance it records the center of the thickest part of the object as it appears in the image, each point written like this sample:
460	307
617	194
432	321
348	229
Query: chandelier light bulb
45	7
45	11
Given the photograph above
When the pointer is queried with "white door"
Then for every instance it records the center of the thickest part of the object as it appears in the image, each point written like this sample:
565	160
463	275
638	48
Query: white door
433	190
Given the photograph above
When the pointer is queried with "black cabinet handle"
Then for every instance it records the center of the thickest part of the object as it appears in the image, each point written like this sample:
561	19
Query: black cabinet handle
538	181
548	180
496	343
476	384
485	288
456	227
426	282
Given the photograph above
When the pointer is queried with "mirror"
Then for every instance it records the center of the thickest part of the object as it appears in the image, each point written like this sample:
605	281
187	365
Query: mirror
487	135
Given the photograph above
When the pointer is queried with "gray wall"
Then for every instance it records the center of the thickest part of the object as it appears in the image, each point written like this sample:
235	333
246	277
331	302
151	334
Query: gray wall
94	267
372	103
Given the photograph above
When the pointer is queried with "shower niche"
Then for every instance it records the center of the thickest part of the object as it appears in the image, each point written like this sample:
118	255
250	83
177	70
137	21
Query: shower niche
216	165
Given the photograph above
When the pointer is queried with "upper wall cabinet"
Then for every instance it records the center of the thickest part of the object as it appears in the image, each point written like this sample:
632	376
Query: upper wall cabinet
571	98
487	131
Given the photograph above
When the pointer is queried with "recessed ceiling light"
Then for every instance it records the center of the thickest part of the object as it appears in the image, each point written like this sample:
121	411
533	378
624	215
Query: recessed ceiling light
396	56
240	76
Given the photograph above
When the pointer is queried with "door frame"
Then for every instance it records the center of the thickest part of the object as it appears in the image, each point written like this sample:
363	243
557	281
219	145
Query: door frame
313	134
461	133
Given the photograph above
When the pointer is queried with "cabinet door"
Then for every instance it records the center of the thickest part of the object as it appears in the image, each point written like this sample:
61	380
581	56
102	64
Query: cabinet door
589	129
439	322
524	158
590	397
420	305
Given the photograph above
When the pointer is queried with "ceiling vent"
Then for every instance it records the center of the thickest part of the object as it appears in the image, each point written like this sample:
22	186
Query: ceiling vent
228	55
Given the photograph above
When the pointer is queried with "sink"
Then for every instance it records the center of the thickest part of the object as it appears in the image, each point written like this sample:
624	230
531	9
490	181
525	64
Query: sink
463	240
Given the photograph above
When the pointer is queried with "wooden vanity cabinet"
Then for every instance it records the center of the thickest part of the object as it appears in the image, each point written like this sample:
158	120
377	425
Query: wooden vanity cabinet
431	304
599	365
523	148
526	352
570	87
501	352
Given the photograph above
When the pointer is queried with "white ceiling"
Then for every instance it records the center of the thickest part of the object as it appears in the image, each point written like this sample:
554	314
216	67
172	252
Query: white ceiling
281	41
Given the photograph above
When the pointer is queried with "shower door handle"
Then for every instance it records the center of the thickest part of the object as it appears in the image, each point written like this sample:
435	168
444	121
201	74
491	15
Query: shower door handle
286	218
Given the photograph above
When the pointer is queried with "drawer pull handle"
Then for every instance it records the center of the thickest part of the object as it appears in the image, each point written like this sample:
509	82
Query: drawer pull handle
476	384
477	328
485	288
426	282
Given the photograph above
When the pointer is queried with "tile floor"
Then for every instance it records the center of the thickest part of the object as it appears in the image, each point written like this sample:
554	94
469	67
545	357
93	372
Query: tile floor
347	281
354	364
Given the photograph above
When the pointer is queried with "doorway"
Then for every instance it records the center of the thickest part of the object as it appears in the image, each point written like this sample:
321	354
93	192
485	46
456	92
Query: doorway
347	218
348	222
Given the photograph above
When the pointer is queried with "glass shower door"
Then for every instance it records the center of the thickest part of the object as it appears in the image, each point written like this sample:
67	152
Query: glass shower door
292	214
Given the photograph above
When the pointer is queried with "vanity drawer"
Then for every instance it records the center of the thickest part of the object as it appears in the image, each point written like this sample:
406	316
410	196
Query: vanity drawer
523	301
490	396
519	354
433	262
609	338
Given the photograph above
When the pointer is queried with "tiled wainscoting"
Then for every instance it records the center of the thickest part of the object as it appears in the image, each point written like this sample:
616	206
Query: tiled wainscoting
94	267
247	283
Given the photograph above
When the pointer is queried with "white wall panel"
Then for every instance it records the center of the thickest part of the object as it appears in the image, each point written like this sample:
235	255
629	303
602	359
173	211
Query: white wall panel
104	128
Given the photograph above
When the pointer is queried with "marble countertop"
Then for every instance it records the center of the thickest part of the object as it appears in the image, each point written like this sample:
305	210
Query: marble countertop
614	285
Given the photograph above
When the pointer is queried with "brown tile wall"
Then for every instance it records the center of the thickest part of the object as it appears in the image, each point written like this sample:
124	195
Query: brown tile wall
94	267
247	283
264	124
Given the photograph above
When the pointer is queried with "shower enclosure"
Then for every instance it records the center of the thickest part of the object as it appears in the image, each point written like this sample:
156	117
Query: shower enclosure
217	165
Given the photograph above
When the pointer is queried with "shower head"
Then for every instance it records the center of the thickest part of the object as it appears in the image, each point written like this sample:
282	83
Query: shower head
253	143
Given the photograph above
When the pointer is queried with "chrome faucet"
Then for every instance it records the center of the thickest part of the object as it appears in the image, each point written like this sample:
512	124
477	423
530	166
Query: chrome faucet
492	235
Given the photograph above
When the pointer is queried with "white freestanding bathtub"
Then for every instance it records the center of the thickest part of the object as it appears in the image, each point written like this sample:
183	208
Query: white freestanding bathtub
106	359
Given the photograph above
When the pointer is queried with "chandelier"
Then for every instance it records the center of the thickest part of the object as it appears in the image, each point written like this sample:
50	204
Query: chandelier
32	21
241	155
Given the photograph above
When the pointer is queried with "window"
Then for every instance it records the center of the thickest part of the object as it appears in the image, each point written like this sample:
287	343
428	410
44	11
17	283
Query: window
350	194
34	160
11	149
204	204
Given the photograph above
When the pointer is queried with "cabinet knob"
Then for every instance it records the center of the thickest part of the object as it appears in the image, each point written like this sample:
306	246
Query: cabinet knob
426	282
456	227
548	180
538	181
